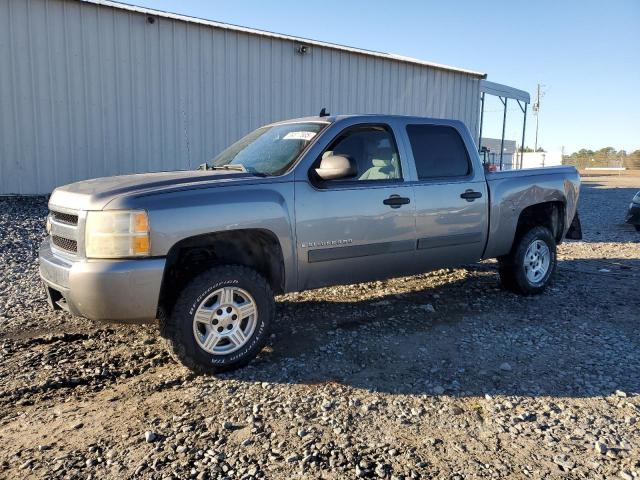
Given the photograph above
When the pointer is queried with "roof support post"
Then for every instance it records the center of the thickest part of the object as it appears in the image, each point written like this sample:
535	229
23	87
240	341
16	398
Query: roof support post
481	120
504	124
524	127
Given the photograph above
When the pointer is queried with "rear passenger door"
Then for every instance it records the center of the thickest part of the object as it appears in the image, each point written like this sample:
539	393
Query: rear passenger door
451	196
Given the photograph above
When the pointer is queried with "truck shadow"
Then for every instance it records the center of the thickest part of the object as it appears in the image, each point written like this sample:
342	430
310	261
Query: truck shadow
580	338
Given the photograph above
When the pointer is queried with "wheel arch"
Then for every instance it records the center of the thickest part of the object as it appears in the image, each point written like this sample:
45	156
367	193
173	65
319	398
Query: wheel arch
549	214
258	249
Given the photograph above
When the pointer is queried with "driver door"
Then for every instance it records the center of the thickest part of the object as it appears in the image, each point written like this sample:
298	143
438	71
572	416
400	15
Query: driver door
359	228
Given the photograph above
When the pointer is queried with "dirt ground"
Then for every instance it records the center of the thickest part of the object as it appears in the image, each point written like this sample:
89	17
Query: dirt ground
441	375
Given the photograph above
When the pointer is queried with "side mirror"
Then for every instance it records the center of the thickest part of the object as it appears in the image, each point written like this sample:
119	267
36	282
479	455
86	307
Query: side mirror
333	167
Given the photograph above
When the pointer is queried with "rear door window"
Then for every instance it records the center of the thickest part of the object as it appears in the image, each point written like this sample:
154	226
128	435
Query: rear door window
438	151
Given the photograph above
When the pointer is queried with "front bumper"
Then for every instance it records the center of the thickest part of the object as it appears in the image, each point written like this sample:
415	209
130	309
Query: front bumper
116	290
633	216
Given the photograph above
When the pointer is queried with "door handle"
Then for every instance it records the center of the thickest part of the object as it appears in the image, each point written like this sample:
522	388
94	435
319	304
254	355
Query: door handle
469	195
396	201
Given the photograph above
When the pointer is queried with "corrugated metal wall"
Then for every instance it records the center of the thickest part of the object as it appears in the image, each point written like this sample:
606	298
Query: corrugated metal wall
89	90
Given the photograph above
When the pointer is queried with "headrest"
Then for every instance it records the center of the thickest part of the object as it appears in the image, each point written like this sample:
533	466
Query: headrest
378	162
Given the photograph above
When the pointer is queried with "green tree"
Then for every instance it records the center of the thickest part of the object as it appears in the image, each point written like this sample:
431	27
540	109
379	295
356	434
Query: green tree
604	157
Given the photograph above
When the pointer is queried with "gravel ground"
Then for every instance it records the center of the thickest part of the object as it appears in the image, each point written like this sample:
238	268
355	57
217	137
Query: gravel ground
442	375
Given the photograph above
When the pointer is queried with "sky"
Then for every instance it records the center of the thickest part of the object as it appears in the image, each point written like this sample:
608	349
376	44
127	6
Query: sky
585	53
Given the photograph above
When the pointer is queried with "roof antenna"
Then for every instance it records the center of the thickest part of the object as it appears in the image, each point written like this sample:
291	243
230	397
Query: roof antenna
324	113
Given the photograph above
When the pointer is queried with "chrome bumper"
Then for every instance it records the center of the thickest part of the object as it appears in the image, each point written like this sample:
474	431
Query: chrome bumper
116	290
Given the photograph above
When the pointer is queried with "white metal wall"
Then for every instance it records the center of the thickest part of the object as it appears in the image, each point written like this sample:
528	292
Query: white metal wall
89	90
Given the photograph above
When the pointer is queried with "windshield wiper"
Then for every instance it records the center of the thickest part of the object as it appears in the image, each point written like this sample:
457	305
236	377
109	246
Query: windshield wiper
235	166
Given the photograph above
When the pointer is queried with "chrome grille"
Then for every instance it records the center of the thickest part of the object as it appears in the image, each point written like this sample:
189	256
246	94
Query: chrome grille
65	230
68	218
65	244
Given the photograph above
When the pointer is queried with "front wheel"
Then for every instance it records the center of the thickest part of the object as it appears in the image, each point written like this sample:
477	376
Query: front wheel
221	319
531	265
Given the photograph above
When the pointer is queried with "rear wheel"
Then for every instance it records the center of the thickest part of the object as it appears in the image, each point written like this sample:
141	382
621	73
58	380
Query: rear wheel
221	320
531	265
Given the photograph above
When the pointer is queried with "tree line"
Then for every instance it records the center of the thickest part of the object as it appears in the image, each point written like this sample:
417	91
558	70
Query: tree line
605	157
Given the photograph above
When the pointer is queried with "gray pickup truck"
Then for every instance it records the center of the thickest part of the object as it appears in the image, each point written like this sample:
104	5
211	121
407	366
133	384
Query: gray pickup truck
296	205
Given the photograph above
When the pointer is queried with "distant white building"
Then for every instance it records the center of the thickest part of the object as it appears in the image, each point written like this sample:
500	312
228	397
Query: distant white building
492	155
511	156
541	159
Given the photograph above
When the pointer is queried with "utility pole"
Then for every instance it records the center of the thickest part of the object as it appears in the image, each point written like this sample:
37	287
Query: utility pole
536	112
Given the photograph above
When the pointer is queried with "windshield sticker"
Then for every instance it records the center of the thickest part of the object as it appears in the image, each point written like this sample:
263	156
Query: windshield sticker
306	136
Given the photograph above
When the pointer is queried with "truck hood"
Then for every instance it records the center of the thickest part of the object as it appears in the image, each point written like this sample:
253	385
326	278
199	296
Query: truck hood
96	193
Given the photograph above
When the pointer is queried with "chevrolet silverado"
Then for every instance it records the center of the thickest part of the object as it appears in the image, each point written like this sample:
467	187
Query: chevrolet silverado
296	205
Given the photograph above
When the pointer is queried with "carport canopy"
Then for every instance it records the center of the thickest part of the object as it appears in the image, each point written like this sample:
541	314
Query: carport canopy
504	93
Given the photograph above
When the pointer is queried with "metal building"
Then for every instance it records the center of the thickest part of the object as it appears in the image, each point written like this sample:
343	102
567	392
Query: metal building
490	152
91	88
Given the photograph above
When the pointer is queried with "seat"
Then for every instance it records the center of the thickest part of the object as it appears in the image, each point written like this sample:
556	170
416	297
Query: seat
384	166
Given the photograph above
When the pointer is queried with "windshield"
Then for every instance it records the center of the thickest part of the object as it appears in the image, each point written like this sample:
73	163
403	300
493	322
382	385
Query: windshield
269	150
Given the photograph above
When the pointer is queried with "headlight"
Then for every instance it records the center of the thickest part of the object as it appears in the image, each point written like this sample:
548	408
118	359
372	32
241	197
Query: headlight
117	234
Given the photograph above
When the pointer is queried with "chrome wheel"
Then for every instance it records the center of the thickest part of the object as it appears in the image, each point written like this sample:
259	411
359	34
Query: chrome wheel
537	260
225	320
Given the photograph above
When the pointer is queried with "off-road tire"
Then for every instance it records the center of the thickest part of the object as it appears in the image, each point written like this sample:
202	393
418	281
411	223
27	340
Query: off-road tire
176	327
511	267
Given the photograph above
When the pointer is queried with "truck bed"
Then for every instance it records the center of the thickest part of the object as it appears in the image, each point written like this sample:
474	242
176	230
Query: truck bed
514	190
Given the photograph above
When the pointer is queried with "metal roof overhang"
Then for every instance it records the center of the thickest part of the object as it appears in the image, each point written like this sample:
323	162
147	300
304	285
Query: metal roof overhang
264	33
505	91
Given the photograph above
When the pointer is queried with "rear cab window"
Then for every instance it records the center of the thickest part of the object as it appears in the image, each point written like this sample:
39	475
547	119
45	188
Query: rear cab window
438	151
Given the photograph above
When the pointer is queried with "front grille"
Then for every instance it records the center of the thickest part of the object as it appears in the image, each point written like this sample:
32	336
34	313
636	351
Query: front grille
64	228
65	243
67	218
